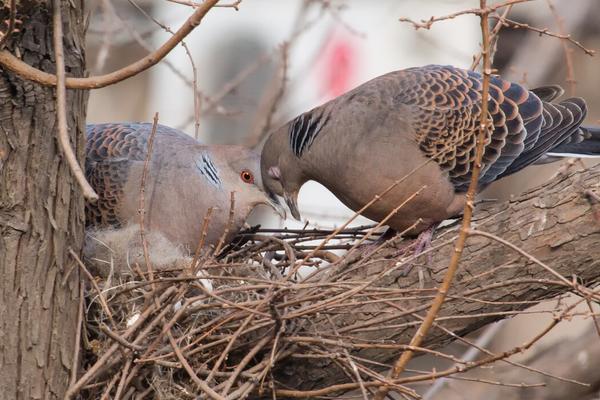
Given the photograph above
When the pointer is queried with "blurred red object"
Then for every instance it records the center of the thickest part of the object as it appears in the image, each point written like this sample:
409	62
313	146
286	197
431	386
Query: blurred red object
339	65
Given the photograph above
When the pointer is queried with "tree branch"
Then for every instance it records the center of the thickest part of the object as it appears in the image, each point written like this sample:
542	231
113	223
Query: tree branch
61	107
25	71
556	224
484	126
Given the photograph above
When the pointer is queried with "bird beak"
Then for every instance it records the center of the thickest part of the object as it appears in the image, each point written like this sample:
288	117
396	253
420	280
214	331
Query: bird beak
276	205
292	201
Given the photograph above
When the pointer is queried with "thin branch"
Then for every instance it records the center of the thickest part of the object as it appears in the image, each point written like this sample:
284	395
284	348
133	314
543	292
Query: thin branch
419	336
426	24
494	36
94	284
61	107
235	5
544	31
243	363
77	347
114	336
124	373
199	382
474	232
188	52
142	209
560	22
25	71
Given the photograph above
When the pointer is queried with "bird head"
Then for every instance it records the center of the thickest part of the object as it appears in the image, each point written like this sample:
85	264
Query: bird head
246	180
281	172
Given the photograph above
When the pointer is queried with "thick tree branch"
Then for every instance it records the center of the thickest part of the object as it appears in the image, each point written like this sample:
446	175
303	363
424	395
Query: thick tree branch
555	224
340	327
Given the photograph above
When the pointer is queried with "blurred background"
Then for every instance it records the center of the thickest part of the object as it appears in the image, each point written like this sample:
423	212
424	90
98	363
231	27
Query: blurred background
256	68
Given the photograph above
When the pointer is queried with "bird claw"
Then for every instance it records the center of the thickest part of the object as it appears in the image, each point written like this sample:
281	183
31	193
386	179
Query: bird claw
420	244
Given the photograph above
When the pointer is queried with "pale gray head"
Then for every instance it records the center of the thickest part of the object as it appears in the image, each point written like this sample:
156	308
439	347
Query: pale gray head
240	171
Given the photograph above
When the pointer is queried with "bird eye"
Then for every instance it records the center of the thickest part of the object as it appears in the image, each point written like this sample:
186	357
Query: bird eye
247	176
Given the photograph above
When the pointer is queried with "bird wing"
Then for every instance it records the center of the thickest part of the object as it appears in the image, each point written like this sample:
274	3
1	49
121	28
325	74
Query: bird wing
446	105
111	151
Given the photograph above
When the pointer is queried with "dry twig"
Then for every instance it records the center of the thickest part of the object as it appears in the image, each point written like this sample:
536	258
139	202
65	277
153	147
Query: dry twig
25	71
61	106
484	126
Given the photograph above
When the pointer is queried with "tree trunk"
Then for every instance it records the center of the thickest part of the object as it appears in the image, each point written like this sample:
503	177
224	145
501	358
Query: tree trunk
41	210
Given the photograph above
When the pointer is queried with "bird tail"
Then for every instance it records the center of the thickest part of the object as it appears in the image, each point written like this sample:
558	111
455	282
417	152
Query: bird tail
588	147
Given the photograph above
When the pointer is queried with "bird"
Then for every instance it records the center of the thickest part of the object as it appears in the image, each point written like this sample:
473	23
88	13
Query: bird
417	128
184	180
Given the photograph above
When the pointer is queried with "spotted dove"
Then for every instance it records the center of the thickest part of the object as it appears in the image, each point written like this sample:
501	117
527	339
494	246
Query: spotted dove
420	123
184	180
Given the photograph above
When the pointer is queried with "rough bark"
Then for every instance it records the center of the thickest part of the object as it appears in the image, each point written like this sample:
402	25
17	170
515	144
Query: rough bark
41	211
556	223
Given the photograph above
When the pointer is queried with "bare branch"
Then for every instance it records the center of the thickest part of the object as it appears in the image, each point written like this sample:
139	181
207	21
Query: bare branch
61	107
25	71
484	126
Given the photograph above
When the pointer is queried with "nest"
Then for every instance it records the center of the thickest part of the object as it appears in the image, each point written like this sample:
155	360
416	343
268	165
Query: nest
287	314
161	323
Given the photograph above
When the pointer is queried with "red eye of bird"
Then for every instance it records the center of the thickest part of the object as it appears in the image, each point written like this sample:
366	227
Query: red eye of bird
247	176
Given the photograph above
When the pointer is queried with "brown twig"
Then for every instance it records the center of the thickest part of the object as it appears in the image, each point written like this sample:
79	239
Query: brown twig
25	71
188	52
61	106
106	330
194	267
494	36
225	353
474	232
243	363
199	382
484	127
109	387
235	5
123	379
77	347
426	24
545	31
560	22
229	224
103	302
142	209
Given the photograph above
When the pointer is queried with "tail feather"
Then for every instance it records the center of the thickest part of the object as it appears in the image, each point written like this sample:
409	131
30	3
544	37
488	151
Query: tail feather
589	146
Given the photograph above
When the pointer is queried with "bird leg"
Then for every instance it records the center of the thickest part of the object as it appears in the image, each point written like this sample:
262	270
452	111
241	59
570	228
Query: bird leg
420	244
